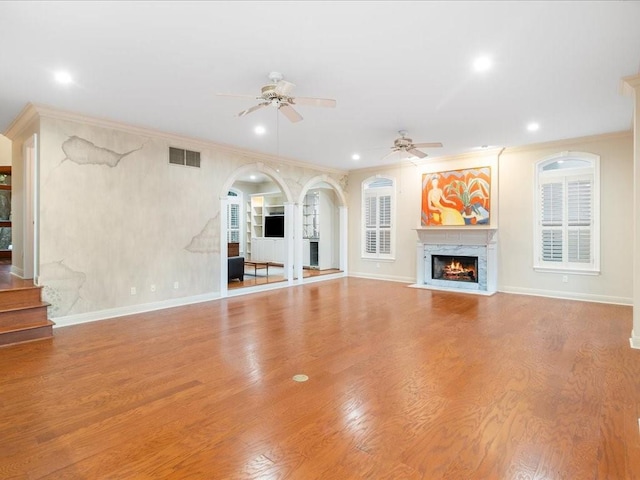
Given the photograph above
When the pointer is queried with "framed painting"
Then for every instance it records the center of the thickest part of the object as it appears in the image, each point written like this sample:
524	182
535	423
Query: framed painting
456	197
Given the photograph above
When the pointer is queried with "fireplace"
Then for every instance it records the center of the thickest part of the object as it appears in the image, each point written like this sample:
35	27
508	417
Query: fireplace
455	268
457	259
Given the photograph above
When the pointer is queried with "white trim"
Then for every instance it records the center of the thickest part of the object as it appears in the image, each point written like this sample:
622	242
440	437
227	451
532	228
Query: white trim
453	290
539	177
322	278
18	272
634	341
236	292
132	310
32	110
583	297
566	270
391	191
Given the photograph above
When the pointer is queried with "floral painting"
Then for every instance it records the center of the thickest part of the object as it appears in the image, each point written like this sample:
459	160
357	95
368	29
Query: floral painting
456	197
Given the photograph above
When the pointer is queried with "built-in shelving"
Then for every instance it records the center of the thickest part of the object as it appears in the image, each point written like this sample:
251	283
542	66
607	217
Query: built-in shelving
5	212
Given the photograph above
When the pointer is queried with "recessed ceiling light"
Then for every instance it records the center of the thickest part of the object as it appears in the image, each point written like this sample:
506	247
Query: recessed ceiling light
482	64
63	77
260	130
533	126
355	156
252	177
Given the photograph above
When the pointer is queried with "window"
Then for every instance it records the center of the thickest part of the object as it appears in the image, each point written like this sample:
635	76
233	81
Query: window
378	203
233	217
178	156
567	230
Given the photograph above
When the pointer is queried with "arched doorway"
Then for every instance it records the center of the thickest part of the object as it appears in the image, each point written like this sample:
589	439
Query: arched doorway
266	217
321	228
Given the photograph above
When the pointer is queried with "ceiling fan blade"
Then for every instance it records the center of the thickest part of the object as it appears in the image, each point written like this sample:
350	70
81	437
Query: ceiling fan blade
427	145
253	109
288	111
391	153
315	102
417	153
284	88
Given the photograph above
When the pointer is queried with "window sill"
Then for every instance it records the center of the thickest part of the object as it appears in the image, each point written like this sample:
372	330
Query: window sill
566	270
378	259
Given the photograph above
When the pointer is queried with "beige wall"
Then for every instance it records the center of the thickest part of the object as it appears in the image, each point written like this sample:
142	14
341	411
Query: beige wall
5	151
512	213
614	284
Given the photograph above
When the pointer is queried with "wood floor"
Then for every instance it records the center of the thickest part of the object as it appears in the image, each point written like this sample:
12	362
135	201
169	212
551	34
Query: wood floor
260	277
403	384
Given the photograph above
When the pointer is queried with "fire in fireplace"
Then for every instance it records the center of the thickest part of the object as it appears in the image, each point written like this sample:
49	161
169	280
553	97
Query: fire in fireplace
454	268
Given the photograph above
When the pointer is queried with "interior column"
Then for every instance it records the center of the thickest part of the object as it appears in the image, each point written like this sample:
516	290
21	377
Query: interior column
632	85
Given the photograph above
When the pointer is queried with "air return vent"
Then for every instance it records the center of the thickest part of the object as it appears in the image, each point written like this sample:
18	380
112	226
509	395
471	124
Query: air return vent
179	156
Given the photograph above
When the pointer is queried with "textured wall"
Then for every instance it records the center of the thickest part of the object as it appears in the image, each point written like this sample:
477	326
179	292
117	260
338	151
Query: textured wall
115	215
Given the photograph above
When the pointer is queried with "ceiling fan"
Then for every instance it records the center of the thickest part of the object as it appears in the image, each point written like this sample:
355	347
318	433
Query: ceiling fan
278	94
405	144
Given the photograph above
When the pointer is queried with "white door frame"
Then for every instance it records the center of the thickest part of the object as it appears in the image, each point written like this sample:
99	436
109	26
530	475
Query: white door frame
31	217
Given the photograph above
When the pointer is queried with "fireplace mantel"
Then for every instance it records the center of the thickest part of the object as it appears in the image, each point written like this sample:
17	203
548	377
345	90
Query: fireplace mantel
480	235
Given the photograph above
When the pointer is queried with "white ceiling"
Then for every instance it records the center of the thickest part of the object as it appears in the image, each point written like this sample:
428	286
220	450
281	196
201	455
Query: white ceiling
390	66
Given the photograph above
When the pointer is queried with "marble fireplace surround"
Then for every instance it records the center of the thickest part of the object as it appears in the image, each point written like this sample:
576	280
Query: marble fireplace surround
478	242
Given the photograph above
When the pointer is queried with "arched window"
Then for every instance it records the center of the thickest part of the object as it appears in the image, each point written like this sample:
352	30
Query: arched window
567	230
378	218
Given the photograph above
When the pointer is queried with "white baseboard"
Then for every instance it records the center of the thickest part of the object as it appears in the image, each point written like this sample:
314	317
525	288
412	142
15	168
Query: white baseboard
453	290
389	278
322	278
635	343
131	310
584	297
18	272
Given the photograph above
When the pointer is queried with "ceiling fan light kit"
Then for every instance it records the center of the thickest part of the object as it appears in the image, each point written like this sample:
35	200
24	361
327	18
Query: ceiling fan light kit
278	94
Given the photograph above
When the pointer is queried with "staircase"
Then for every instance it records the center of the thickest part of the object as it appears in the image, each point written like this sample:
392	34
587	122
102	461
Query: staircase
23	315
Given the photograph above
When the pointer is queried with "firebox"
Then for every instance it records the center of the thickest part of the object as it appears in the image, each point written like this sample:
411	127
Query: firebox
455	268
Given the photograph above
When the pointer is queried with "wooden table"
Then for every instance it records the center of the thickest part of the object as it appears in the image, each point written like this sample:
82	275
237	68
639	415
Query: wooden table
257	265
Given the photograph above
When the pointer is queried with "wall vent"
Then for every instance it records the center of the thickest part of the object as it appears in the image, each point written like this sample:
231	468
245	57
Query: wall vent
179	156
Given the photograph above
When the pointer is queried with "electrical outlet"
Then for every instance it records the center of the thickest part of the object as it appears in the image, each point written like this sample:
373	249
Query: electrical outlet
153	288
565	278
176	285
133	290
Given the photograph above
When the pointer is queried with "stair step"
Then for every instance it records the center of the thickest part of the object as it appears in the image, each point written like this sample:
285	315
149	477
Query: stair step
29	334
21	317
19	297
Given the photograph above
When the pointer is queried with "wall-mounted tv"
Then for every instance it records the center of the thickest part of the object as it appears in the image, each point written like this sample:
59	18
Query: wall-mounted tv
274	226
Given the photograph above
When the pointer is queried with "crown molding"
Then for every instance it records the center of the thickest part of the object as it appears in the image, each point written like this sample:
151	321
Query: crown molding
28	114
44	111
630	84
570	141
492	154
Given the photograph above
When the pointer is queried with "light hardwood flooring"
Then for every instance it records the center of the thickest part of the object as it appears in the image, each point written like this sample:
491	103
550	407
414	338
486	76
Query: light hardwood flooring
254	278
403	384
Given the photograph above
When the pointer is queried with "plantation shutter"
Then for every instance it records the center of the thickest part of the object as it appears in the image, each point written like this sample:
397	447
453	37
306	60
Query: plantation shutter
579	204
385	224
567	213
377	218
371	244
233	223
551	196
